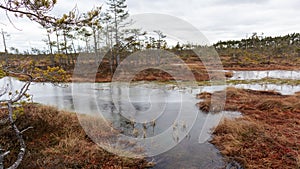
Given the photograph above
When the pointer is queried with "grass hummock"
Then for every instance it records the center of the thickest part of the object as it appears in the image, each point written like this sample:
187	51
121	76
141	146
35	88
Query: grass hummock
268	134
57	141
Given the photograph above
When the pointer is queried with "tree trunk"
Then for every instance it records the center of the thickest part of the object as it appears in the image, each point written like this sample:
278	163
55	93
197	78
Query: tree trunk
65	44
117	38
51	51
95	41
87	45
74	49
4	42
50	45
5	48
57	41
68	59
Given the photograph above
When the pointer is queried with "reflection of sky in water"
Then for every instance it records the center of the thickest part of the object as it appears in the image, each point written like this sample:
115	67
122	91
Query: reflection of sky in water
49	94
252	75
146	98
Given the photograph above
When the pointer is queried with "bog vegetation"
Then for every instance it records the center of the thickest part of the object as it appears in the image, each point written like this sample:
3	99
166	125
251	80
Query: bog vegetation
267	136
103	32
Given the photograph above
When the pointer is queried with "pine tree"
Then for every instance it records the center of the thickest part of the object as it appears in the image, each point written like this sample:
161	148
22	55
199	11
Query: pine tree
119	13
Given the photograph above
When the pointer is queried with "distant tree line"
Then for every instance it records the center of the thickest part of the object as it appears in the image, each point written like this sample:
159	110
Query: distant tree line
258	47
98	30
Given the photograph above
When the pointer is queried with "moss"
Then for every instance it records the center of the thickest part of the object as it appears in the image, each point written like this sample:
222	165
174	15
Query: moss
2	73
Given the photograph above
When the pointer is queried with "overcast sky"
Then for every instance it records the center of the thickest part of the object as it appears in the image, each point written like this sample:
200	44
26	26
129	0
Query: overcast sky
216	19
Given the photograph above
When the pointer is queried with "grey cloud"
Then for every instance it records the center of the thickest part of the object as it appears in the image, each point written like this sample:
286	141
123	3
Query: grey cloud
217	19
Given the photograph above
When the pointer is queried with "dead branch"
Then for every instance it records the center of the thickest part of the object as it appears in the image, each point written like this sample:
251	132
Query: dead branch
19	136
2	157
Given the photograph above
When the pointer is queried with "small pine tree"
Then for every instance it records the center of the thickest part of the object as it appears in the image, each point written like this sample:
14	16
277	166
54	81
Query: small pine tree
118	14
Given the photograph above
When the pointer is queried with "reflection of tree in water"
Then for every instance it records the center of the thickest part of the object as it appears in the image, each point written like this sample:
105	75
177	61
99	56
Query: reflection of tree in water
128	126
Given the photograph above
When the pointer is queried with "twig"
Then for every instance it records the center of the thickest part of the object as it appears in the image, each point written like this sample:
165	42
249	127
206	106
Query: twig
5	154
2	157
11	22
26	129
46	20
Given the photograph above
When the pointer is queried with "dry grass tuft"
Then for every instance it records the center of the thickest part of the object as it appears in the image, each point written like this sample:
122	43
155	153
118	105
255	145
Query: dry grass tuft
229	74
267	136
58	141
203	95
204	106
269	104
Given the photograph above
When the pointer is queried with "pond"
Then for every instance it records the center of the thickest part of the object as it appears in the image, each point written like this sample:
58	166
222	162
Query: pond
101	97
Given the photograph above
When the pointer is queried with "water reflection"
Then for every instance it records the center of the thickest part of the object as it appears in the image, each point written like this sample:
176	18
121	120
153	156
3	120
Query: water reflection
254	75
98	97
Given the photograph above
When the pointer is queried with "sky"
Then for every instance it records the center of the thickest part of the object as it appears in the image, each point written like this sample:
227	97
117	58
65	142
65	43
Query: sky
216	19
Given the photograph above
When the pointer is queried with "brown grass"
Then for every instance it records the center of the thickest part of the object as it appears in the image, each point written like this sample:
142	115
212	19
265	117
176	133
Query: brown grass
204	95
267	136
190	59
229	74
58	141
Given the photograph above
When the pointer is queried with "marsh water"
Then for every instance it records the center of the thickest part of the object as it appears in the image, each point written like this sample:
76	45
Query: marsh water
254	75
190	152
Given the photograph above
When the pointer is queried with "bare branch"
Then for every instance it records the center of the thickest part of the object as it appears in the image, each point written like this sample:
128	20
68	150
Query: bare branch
26	129
18	133
22	92
2	158
19	136
39	14
33	16
5	154
11	22
3	91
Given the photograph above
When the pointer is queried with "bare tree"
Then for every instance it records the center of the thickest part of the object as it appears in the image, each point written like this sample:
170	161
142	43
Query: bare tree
160	37
4	35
